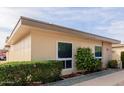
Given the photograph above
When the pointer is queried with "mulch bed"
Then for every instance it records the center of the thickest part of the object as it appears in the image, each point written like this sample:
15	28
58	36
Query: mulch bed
74	74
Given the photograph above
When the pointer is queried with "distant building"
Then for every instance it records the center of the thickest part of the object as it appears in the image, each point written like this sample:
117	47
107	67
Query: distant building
116	51
2	54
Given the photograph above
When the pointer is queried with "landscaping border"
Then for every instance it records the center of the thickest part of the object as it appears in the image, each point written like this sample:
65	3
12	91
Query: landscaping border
78	79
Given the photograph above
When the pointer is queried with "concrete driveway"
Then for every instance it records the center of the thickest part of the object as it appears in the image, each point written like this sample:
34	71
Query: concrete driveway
116	78
106	77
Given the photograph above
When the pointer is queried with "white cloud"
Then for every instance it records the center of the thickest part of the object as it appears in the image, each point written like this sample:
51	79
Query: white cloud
3	36
82	14
116	27
9	18
98	20
114	30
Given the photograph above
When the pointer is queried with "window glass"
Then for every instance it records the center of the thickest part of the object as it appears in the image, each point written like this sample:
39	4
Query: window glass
63	62
68	63
98	51
64	50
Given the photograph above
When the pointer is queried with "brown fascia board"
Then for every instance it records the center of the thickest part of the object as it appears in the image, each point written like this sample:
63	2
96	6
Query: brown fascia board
45	25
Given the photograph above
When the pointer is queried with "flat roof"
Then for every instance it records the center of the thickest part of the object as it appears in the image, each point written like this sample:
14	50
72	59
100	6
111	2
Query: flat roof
117	45
37	23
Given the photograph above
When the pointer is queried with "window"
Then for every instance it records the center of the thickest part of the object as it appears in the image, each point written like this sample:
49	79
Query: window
98	52
64	50
65	54
66	64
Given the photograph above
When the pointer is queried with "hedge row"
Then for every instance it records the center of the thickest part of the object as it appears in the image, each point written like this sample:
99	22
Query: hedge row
23	73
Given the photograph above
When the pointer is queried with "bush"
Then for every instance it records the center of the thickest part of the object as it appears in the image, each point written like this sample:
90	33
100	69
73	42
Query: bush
113	64
98	65
122	58
85	60
23	73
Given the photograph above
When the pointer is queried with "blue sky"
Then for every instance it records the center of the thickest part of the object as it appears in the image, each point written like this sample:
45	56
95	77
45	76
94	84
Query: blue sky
108	22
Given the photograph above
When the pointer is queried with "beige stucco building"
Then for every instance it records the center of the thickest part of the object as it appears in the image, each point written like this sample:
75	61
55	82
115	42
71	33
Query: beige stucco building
116	51
35	40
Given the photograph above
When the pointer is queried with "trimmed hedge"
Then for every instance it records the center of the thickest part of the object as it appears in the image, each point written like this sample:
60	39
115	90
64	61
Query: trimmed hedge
25	73
113	64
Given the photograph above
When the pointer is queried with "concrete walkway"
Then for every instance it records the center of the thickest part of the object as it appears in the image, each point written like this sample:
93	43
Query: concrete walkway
107	80
105	77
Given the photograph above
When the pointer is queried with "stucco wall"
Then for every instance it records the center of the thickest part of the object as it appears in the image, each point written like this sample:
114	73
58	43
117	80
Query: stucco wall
44	45
20	51
107	53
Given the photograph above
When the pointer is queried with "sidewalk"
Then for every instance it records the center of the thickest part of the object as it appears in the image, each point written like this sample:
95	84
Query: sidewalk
107	80
85	79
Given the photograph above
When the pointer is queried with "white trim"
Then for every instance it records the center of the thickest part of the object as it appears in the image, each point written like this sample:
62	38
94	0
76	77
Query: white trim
99	45
64	58
98	57
57	49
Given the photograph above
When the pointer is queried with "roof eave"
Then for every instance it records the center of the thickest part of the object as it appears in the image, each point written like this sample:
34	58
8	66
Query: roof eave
27	21
14	31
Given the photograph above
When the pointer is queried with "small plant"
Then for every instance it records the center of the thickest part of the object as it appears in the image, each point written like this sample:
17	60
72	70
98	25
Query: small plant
98	65
85	60
113	64
122	58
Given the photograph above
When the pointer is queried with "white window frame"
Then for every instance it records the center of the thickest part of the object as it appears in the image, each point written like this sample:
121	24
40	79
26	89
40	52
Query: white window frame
64	59
95	51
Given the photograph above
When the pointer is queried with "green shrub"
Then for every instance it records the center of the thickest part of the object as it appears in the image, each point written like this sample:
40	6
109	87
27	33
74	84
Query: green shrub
122	58
85	60
98	65
23	73
113	64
